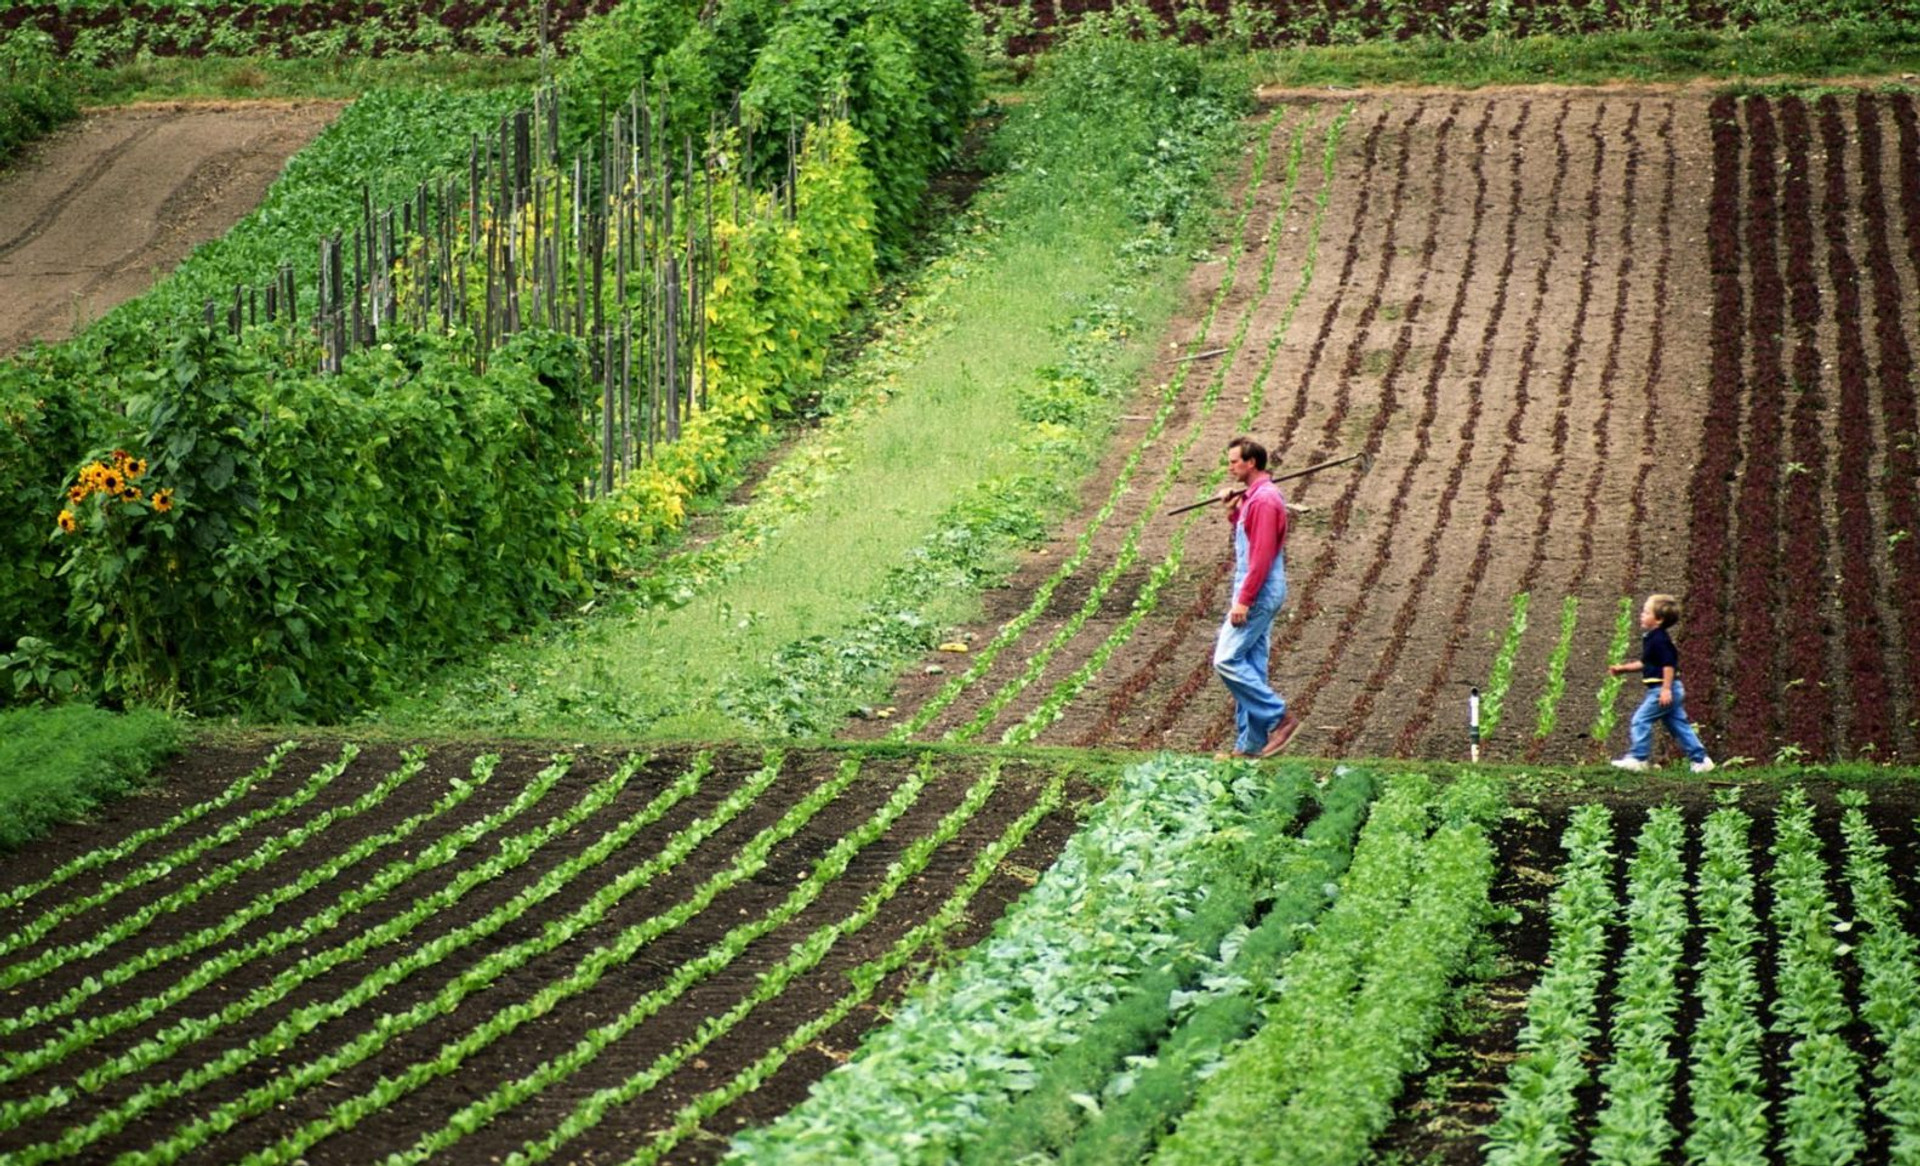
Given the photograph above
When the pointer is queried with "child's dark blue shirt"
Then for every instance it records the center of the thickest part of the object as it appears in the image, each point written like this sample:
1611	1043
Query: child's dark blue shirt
1656	653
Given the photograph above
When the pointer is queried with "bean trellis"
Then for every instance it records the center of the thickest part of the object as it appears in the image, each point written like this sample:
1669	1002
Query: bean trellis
615	246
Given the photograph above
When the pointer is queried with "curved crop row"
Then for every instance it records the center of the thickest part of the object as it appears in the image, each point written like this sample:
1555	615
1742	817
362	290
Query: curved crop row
259	907
191	1030
94	1026
1888	957
804	957
1724	1069
1011	631
113	852
136	921
1535	1125
490	968
1807	723
590	969
1632	1126
159	868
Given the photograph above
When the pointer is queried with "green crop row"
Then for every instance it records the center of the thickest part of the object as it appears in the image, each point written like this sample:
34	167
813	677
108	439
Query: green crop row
1632	1126
93	1027
1493	698
211	880
1608	697
1547	707
1110	908
588	971
1729	1118
1889	970
262	905
1535	1126
1821	1121
58	764
161	867
513	854
1358	1003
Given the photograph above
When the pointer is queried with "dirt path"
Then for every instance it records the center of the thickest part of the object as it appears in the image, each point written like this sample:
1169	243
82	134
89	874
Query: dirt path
91	217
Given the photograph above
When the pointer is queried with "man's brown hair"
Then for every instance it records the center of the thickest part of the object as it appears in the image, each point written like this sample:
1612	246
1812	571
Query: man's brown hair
1250	451
1666	609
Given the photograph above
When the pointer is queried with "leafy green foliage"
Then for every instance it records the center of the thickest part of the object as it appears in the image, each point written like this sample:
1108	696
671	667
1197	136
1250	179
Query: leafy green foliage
57	764
1609	694
36	96
1493	698
1547	707
327	535
1729	1118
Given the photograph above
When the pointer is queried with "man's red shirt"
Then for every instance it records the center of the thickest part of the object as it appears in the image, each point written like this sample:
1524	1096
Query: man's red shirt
1262	513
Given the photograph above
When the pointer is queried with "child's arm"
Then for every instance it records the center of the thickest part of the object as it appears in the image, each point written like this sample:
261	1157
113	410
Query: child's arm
1628	666
1666	686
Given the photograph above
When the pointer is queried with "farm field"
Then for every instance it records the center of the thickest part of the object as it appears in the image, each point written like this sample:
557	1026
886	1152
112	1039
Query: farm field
1510	301
170	179
330	953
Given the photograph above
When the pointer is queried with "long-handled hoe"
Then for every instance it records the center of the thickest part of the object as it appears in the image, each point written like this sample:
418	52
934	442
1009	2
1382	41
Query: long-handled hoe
1363	457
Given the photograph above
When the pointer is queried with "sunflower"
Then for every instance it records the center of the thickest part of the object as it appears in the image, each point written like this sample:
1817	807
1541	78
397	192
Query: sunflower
112	481
163	500
68	522
136	467
132	494
77	494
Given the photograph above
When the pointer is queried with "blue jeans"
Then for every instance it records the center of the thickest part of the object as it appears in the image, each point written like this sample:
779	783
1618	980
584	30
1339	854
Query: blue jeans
1240	655
1673	716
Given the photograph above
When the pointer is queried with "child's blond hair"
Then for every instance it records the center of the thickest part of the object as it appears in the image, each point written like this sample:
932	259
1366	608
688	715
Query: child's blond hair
1666	609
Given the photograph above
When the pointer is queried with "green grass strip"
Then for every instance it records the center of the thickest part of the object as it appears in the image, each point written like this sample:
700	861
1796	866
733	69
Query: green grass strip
1123	1126
805	956
1633	1126
1083	547
1500	676
1535	1126
1821	1120
589	971
1609	694
1547	707
723	951
262	905
866	978
491	967
1724	1069
58	764
1054	705
513	854
161	867
114	852
1038	660
221	876
92	1027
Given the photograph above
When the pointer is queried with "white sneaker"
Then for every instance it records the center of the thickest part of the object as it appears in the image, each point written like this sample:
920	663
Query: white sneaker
1630	764
1704	765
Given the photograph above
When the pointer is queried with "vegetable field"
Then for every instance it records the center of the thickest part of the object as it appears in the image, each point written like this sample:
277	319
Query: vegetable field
334	953
1598	345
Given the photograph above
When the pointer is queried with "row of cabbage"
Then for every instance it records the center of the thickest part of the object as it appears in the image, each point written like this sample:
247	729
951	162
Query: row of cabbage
1773	1063
1226	965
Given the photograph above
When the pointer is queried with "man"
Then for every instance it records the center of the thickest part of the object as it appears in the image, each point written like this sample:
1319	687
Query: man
1258	515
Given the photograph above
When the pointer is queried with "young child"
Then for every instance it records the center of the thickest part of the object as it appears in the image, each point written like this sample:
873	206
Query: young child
1666	699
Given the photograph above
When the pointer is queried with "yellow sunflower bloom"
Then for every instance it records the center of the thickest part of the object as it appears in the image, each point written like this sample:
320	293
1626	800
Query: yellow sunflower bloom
77	494
112	482
136	467
68	522
162	501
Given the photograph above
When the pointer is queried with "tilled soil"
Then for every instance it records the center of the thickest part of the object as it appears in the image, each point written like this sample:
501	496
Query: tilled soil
467	938
1510	307
91	217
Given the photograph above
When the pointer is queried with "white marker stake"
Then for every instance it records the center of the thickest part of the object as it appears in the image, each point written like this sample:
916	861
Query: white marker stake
1473	725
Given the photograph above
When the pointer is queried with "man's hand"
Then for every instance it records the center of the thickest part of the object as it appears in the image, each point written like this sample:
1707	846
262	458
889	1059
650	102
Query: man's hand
1227	494
1238	616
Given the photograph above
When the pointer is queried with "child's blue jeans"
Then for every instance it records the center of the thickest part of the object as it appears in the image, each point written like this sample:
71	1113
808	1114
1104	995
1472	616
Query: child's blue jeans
1673	716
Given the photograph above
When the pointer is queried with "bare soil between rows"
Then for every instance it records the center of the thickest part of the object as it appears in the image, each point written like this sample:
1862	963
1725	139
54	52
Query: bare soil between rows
97	213
203	773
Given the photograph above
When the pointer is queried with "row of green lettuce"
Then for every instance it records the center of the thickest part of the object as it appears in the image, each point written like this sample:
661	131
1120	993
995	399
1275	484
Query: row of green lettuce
212	523
1224	965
